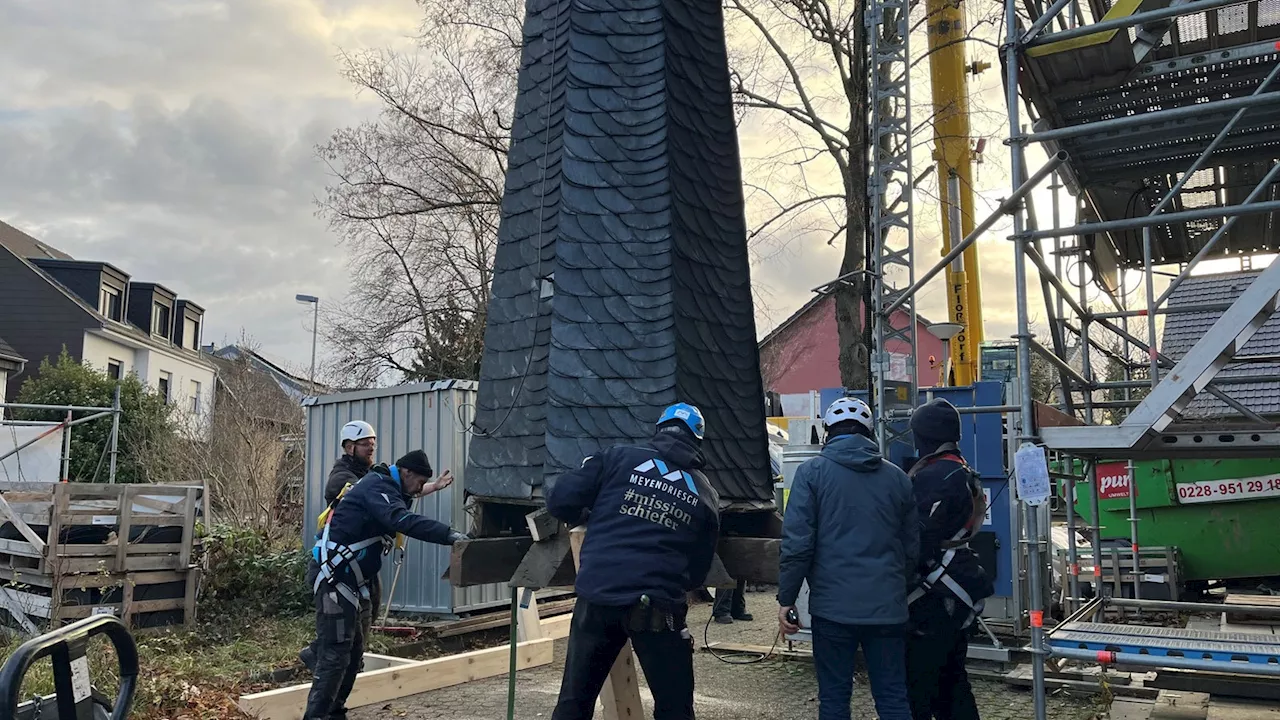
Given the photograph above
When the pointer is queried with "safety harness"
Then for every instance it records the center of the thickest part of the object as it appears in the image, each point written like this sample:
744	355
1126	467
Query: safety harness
959	542
331	556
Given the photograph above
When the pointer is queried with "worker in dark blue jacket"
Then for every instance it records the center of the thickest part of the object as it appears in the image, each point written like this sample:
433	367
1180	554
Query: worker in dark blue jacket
348	554
950	584
849	530
652	521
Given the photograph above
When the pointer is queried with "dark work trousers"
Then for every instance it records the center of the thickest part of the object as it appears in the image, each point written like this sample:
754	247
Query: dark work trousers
835	645
308	654
936	678
339	648
596	635
731	602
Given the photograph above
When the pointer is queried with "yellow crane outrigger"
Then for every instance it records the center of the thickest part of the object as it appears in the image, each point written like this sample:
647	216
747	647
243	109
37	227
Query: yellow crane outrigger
949	70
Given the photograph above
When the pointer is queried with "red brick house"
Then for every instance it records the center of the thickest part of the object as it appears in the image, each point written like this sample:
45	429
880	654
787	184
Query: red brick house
802	352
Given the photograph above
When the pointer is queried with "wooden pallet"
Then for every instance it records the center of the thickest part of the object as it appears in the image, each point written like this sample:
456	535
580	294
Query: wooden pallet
71	550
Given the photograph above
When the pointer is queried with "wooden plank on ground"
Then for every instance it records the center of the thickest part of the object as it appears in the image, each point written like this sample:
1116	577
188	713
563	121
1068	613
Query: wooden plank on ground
557	628
490	621
404	680
1242	710
1178	705
620	696
528	624
754	560
374	661
486	560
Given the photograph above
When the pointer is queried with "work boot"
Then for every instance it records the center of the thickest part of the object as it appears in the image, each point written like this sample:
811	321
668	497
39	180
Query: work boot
744	617
308	658
724	620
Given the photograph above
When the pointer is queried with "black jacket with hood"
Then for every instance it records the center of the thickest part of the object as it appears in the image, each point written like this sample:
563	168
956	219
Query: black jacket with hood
652	521
347	470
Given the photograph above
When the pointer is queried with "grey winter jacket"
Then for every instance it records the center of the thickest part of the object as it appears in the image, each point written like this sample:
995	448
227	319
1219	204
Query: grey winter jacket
850	529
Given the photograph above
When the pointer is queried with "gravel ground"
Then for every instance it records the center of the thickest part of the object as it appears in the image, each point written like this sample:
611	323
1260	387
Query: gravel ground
771	690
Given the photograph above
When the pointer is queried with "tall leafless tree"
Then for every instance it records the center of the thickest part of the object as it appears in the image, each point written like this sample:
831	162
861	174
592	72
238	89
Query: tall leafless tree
416	194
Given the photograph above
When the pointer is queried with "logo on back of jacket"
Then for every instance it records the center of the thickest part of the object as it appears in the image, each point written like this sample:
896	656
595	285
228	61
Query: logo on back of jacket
660	495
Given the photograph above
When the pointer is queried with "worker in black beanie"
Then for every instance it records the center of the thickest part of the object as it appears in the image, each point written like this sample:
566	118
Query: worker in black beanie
348	553
950	584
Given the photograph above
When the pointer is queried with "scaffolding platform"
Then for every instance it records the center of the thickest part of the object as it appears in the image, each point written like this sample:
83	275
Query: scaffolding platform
1225	54
1229	648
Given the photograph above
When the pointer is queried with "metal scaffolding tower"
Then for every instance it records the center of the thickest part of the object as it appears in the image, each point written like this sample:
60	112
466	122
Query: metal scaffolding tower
1171	123
889	190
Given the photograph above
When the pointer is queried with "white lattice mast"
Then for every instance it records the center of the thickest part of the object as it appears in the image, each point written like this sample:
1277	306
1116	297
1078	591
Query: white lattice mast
889	198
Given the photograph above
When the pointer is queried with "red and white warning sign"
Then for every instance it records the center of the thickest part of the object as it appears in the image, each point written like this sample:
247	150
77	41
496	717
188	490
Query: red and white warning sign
1113	480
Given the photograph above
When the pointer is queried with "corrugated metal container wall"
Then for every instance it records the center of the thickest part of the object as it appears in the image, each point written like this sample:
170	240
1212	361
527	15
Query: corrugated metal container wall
432	416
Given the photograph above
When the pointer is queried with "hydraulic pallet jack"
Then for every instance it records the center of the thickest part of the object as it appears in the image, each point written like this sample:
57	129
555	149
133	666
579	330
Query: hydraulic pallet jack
74	697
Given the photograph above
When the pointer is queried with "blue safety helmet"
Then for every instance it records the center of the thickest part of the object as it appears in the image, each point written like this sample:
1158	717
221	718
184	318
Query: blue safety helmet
687	414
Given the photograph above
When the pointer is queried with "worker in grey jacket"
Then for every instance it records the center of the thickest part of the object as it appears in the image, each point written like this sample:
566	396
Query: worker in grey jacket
850	530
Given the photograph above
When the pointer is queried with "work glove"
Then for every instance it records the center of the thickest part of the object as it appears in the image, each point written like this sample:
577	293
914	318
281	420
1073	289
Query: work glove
455	536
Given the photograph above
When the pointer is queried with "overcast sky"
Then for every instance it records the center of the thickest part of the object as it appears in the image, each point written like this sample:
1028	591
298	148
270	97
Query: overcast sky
175	140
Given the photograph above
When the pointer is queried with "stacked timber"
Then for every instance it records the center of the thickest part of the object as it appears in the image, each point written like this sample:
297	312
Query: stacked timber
71	550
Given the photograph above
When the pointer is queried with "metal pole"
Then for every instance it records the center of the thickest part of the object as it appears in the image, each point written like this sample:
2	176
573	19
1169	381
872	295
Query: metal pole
1258	190
1133	20
1096	531
1209	213
1133	530
1027	420
1149	282
1107	657
315	331
115	435
14	451
1125	122
1043	21
1006	206
511	670
1175	310
66	449
1194	607
1073	561
1085	320
60	408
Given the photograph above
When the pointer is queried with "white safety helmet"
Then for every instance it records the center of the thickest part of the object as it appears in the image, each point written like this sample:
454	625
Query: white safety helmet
847	408
357	430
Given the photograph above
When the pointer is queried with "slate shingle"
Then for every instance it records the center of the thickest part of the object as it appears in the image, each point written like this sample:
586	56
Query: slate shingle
640	217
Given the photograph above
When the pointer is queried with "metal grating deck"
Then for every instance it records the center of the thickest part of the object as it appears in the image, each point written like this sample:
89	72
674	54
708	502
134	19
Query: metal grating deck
1217	55
1167	642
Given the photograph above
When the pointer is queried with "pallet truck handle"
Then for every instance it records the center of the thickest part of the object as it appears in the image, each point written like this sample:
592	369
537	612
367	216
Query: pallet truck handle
65	646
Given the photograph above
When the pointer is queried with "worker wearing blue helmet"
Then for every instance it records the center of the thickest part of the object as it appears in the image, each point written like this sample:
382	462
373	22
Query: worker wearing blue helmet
652	522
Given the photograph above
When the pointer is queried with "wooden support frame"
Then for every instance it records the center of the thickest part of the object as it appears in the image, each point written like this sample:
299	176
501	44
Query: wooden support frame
620	696
397	681
752	559
486	560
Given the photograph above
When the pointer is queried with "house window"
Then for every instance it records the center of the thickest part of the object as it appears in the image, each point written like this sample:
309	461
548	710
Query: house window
160	319
163	384
195	398
109	303
191	334
115	369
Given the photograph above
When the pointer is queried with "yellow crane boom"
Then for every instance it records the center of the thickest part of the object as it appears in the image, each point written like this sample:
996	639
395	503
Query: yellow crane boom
949	70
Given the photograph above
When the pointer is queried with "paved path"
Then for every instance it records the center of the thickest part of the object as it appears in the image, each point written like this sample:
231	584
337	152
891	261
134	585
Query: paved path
770	690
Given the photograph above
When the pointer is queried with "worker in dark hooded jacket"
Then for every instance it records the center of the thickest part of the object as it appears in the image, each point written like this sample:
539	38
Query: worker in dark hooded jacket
359	442
652	522
850	531
951	585
347	553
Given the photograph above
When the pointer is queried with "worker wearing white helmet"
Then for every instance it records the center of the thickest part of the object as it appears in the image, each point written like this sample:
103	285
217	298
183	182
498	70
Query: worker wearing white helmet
359	442
850	530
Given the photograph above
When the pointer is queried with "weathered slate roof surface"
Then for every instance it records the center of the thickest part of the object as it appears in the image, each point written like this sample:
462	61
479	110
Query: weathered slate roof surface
624	182
1182	330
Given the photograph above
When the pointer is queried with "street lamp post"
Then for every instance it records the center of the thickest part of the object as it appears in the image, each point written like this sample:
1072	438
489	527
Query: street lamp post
315	330
945	331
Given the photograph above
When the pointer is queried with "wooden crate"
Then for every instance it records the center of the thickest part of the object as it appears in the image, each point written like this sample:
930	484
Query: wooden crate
70	550
141	599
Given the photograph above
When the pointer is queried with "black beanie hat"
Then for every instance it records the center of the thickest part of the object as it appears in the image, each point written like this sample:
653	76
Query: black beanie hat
417	461
936	420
